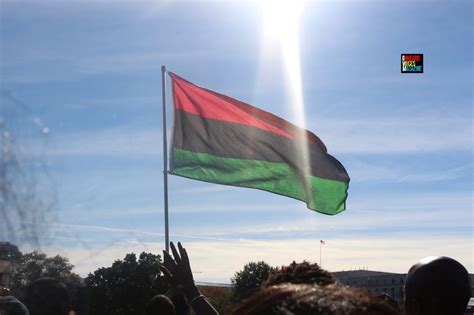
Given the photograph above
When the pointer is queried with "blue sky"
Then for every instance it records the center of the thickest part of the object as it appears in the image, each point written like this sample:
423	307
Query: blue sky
90	72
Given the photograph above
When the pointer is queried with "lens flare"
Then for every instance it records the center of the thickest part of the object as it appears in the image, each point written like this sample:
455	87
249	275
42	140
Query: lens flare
281	26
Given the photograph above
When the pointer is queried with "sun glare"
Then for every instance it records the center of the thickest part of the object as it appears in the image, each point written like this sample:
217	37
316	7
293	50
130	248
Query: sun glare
281	19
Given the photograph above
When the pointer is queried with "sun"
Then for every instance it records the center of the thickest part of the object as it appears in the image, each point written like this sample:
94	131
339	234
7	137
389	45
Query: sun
281	17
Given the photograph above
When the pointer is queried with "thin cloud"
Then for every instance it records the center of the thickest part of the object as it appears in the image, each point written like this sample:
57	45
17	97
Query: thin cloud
217	261
134	232
421	136
125	140
421	212
134	61
114	103
365	213
380	135
79	67
417	214
363	172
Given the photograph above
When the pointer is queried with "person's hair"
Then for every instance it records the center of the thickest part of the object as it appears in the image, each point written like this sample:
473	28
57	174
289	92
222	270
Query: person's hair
305	299
160	305
438	283
299	273
47	296
9	305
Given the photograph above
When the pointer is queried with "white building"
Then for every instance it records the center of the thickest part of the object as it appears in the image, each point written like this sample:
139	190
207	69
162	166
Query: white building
379	282
374	281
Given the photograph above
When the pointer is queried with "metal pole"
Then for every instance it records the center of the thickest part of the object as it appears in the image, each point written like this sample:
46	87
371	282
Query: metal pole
320	244
165	162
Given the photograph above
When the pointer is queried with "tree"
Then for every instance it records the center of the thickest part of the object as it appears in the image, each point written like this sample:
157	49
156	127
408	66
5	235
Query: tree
248	280
10	252
126	286
35	265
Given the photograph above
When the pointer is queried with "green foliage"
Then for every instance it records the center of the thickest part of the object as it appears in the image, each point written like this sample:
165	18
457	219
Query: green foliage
126	286
35	265
9	251
248	280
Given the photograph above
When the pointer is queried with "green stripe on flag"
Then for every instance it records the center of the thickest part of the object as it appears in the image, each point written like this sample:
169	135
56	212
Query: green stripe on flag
328	196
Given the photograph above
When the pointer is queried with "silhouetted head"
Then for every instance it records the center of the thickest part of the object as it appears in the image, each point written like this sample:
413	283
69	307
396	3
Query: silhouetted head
437	286
160	305
47	296
300	273
9	305
305	299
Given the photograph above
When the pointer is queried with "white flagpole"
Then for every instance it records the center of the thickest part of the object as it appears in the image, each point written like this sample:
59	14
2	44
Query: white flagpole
165	162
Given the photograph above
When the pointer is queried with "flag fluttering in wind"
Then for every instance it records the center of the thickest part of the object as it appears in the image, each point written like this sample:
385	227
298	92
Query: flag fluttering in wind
221	140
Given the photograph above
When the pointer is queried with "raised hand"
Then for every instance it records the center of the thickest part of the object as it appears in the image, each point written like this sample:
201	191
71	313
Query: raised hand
177	271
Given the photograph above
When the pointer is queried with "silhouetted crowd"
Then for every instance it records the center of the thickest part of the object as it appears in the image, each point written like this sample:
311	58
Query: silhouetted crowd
433	286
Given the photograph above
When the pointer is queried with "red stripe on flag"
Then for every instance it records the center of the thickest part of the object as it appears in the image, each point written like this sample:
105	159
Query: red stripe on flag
273	120
222	107
193	99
